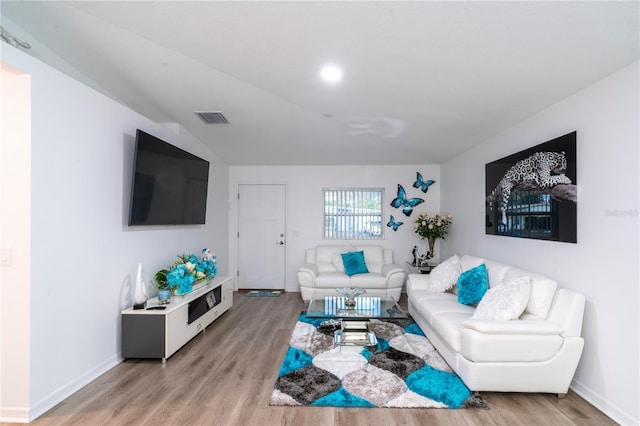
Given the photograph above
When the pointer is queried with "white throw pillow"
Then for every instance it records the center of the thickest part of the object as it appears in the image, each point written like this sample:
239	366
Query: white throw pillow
336	258
542	291
445	275
504	302
337	262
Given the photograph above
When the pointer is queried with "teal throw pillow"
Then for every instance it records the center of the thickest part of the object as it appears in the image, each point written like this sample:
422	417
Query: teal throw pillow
354	263
472	285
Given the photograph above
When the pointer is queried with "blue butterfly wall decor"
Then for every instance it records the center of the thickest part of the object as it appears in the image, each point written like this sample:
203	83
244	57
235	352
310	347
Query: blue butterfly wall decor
393	224
406	204
423	184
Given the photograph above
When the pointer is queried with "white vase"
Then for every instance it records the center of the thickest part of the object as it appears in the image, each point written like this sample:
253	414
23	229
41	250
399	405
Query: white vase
139	294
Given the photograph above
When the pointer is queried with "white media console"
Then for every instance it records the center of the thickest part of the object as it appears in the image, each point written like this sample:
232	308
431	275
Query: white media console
158	333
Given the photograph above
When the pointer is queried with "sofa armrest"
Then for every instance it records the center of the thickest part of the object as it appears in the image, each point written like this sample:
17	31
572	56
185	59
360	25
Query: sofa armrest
567	309
389	269
307	274
394	275
518	327
418	281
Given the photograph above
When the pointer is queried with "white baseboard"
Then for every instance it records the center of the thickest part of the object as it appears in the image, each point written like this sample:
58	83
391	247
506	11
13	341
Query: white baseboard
14	415
59	395
616	414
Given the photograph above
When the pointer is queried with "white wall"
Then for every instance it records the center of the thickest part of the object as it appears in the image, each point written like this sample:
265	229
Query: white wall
604	263
83	255
305	204
15	201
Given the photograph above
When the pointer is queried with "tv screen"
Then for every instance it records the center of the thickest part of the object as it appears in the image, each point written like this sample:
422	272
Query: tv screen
169	184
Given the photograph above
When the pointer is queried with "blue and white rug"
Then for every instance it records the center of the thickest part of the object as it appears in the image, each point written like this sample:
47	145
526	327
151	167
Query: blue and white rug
404	371
263	293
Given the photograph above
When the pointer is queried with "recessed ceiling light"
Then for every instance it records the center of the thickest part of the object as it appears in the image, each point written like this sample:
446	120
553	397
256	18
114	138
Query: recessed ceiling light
331	73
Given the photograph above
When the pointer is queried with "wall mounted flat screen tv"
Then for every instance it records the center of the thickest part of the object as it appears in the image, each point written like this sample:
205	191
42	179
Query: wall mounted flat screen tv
169	184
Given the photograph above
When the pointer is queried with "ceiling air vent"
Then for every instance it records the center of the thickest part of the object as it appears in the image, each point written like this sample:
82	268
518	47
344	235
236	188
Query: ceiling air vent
212	117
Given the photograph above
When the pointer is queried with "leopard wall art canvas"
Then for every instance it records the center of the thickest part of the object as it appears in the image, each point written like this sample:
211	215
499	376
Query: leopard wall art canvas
533	193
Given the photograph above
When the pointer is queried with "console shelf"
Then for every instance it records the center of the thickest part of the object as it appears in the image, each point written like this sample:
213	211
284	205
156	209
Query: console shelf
151	333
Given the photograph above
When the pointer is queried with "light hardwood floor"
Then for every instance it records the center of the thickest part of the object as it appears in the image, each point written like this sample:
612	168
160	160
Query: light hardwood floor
225	376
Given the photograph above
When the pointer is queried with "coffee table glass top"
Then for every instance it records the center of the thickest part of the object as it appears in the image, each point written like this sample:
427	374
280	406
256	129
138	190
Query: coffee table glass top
367	307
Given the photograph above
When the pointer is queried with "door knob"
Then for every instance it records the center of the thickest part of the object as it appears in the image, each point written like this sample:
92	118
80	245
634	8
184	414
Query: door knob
281	243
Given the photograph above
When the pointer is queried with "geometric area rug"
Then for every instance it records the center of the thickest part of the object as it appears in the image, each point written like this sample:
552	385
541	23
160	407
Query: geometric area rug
403	371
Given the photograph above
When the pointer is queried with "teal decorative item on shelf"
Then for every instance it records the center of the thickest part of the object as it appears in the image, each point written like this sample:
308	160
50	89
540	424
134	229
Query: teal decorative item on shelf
164	296
183	273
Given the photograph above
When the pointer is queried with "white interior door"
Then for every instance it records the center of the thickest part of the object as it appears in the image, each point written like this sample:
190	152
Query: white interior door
261	237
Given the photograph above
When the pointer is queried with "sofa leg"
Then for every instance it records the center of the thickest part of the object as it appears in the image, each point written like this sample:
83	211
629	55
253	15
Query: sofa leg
562	395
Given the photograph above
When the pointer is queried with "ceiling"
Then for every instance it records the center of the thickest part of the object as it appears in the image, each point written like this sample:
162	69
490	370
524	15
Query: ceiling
422	81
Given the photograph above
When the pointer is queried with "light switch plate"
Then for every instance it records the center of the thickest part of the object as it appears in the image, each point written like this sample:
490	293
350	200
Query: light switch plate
5	256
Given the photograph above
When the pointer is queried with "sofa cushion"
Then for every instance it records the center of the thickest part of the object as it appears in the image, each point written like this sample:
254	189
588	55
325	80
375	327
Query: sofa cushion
496	272
434	304
332	280
483	347
445	275
336	257
448	327
472	285
374	258
542	291
504	302
417	294
520	327
467	262
324	258
370	281
354	263
336	261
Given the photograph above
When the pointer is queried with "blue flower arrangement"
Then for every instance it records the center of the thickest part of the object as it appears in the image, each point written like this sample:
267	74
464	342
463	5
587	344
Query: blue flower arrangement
183	273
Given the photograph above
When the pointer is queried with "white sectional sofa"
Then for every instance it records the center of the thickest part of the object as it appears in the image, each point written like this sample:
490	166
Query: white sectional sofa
324	271
538	351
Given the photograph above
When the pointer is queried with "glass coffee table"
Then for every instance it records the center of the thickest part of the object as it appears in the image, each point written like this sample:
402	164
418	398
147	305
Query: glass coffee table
354	321
367	307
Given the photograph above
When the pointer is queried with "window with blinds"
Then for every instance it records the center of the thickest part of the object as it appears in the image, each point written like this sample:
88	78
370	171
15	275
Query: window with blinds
353	213
532	215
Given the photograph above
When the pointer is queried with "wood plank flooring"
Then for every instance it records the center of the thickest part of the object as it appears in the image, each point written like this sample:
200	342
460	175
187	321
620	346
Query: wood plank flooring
225	376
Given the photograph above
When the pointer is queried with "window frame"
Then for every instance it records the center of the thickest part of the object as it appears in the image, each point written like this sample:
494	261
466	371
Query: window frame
363	218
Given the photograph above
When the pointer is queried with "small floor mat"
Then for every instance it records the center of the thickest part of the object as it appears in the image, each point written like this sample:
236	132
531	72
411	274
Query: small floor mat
263	293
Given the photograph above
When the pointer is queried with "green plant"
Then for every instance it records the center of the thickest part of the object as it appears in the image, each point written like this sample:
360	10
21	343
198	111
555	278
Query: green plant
432	226
161	279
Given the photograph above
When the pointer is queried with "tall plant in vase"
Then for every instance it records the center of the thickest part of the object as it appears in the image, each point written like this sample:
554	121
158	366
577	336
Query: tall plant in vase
431	227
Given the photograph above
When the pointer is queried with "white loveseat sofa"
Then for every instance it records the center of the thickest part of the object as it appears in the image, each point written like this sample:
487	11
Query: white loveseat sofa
323	272
538	351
